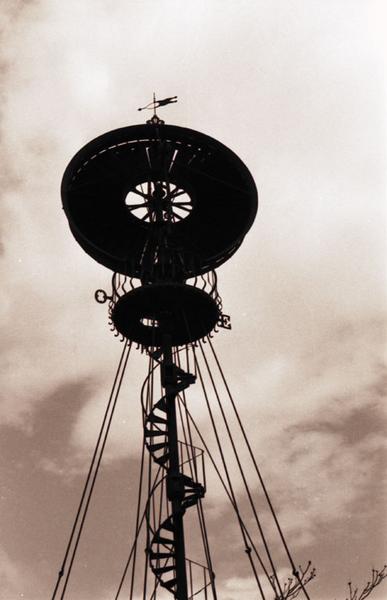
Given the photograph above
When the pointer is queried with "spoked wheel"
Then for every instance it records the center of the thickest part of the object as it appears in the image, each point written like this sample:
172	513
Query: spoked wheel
127	185
158	201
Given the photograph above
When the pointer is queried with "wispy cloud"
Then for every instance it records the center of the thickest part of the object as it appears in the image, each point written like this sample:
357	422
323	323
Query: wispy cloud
16	579
290	90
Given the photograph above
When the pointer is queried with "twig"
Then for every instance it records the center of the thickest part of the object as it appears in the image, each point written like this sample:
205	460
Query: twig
376	578
294	585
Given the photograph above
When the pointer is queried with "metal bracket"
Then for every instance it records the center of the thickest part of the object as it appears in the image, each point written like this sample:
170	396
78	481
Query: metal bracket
224	321
101	296
155	120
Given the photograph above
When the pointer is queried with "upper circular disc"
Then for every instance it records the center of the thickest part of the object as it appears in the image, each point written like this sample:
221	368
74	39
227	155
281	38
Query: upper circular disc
121	187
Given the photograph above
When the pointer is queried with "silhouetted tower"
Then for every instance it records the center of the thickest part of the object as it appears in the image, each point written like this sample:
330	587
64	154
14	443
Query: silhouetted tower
162	206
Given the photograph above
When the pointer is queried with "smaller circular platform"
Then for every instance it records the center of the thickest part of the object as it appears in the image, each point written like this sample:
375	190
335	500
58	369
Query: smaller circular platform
148	313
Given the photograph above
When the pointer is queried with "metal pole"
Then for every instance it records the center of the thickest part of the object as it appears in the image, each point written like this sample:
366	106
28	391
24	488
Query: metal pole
175	484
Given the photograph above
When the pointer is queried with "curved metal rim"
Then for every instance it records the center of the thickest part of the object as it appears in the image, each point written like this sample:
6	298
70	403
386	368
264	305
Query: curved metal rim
138	308
147	132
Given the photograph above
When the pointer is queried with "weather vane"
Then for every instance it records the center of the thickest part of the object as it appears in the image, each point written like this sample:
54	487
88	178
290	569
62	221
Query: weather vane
157	104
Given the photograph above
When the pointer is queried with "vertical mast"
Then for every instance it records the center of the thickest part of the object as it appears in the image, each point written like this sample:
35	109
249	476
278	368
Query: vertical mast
175	484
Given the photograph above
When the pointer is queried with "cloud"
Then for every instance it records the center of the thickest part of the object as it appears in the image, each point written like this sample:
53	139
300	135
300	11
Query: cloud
313	419
15	578
234	586
125	438
291	92
10	573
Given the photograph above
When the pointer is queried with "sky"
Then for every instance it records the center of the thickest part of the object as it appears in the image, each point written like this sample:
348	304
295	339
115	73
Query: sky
297	89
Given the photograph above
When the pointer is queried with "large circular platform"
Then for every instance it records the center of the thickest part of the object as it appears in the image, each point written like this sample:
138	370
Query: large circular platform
123	187
146	314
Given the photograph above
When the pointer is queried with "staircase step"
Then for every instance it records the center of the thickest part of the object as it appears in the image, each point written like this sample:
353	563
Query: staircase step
153	433
155	447
152	418
159	555
161	404
161	460
168	525
161	570
159	539
191	501
179	387
189	482
198	491
170	584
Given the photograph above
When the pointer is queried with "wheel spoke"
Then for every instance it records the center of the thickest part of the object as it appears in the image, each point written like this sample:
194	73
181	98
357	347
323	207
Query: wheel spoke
176	193
182	207
135	191
134	206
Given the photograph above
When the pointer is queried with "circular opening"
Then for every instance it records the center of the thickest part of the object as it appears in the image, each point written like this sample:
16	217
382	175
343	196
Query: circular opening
155	201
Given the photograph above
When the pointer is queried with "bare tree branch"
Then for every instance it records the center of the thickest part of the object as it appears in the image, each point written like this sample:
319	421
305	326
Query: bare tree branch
376	578
293	586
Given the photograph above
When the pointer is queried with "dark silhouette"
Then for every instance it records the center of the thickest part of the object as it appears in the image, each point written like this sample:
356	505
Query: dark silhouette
163	206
